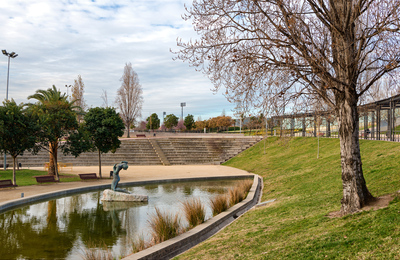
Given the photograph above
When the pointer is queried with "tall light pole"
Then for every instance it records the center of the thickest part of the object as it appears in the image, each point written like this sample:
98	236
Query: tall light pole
9	55
70	86
163	116
182	105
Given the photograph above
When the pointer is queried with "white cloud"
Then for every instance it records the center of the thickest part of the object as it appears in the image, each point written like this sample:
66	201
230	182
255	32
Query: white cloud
57	40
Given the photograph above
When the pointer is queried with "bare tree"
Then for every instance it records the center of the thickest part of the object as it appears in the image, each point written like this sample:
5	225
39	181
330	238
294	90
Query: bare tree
104	97
324	47
129	97
384	88
78	89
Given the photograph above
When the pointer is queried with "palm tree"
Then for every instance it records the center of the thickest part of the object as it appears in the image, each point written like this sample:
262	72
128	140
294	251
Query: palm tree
57	118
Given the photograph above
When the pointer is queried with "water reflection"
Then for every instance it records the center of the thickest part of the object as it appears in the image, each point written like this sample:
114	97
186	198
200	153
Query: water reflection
62	228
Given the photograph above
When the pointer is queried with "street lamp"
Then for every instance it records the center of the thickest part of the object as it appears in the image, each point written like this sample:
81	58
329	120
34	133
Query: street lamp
70	86
182	105
9	55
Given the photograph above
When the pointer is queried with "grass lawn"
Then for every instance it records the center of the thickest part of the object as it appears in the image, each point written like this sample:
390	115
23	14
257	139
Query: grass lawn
25	177
306	190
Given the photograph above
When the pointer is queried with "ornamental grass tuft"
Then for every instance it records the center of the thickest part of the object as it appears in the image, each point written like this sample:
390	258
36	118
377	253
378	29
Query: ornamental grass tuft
219	204
194	211
164	226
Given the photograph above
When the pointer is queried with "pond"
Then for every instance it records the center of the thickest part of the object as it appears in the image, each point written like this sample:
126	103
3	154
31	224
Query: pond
65	227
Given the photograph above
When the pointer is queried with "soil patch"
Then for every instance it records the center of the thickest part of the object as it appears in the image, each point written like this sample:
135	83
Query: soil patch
379	203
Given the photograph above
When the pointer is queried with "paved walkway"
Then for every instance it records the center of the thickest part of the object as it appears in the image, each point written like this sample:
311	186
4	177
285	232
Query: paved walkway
134	173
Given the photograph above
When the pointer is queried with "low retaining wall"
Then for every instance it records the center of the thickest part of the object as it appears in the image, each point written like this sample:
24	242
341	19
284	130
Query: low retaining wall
180	244
17	203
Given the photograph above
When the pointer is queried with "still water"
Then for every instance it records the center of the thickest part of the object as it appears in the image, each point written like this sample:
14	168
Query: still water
65	227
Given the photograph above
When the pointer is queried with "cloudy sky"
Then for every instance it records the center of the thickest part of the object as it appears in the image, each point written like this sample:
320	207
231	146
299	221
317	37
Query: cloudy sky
56	40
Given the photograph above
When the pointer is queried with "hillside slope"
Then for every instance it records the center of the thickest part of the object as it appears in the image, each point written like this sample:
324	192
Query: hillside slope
307	189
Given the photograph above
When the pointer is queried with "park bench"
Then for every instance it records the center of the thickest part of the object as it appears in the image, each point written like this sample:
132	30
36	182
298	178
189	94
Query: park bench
2	165
141	135
46	178
88	176
7	184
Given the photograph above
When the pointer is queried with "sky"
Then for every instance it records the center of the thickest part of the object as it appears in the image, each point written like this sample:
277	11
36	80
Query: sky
57	40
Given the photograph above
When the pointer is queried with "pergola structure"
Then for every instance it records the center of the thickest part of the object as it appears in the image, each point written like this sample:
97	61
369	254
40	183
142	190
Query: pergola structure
377	120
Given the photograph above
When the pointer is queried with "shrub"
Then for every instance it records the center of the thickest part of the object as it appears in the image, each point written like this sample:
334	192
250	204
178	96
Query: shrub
219	204
194	212
164	226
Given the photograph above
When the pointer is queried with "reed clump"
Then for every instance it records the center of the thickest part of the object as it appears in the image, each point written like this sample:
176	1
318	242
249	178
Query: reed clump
245	185
164	226
219	204
239	192
194	211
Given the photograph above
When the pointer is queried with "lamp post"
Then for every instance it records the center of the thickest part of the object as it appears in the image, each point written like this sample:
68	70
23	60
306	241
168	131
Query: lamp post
9	55
70	86
164	113
182	105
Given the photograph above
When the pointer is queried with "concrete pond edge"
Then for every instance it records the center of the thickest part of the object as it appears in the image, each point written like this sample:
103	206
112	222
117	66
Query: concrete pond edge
17	203
187	240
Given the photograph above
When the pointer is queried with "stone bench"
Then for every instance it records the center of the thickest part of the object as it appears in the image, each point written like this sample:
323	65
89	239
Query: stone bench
46	178
88	176
7	184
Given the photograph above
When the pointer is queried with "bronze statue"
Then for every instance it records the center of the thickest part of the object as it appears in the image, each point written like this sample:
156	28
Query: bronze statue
117	168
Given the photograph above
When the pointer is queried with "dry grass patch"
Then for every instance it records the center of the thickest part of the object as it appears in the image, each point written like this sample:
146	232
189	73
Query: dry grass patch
194	212
164	226
219	204
239	192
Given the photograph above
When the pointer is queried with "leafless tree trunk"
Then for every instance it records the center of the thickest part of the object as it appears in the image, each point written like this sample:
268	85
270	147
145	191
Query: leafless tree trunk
324	48
129	97
104	97
77	95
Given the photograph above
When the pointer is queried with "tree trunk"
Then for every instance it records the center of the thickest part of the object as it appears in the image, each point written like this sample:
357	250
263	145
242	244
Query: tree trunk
128	126
14	165
355	191
53	153
100	164
56	165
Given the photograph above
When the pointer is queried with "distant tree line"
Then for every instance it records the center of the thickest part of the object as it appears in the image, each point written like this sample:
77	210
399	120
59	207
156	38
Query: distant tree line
57	121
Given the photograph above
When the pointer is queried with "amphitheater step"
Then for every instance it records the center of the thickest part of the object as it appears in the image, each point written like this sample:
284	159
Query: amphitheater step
154	151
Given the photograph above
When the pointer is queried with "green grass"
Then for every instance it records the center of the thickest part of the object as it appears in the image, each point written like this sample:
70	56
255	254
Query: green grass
25	177
306	190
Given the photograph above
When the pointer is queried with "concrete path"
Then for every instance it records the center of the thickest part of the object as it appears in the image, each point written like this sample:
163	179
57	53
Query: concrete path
134	173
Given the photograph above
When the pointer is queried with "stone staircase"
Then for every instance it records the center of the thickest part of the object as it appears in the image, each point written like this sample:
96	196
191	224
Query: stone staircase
154	151
185	151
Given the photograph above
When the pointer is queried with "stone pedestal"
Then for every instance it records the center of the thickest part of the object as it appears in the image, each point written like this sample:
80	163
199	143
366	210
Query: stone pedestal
110	195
